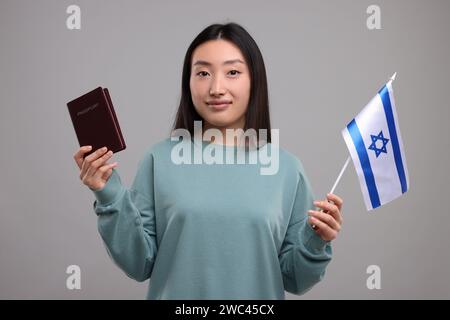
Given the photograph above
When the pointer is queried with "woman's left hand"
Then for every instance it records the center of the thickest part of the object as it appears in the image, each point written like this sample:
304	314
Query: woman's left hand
327	224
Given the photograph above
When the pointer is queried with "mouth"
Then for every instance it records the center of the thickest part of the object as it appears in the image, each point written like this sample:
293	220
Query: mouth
219	105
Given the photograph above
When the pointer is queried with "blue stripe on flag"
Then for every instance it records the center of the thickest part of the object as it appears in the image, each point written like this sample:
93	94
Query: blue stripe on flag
353	129
384	94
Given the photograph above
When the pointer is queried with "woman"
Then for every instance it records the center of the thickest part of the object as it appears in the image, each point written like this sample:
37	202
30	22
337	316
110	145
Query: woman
215	231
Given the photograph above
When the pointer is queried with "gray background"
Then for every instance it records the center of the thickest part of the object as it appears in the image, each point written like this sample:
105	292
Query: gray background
323	66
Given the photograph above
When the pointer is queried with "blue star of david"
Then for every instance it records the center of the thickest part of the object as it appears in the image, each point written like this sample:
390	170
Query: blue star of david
373	146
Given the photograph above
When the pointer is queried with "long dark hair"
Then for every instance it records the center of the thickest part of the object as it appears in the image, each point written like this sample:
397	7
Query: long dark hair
257	115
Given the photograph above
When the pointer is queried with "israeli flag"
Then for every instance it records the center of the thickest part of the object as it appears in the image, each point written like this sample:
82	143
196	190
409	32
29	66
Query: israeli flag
376	148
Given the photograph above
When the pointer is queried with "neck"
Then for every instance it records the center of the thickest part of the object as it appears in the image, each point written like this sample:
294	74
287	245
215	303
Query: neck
223	138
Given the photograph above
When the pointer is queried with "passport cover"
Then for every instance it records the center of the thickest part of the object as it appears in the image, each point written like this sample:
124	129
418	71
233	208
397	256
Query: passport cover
95	121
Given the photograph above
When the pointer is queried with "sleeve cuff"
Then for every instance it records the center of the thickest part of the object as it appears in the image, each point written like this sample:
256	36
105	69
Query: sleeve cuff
110	191
311	239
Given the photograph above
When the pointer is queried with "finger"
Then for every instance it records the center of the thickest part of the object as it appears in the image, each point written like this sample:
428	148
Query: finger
98	165
109	170
336	212
98	153
323	230
102	174
92	171
337	200
326	218
88	160
101	160
330	208
336	216
326	206
79	155
106	171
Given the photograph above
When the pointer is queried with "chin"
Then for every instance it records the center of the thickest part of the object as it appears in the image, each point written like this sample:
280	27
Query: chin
219	122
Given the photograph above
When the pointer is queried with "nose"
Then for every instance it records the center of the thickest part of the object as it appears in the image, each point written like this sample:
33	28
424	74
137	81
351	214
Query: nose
217	87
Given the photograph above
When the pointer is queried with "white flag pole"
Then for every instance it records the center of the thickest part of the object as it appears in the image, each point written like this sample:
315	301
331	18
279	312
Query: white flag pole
393	77
340	174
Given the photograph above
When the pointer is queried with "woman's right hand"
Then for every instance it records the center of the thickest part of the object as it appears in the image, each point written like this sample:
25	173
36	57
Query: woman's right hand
94	171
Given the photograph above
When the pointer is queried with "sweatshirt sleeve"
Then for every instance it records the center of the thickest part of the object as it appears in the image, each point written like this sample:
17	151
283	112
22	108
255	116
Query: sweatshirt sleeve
126	221
304	256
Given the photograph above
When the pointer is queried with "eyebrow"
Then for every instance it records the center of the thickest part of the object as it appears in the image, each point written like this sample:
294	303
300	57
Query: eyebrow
206	63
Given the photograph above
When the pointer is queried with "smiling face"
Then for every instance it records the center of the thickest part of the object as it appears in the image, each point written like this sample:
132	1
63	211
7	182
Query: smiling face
220	84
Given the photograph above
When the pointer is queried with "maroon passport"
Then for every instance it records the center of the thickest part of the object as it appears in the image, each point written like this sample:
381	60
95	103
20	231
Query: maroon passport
95	121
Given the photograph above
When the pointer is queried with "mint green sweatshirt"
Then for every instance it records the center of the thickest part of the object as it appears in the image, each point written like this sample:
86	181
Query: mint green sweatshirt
213	231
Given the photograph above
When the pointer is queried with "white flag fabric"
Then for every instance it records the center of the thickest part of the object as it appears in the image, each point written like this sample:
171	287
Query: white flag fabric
376	148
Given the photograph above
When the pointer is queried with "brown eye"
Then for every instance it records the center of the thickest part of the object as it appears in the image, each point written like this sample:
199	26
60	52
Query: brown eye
234	72
202	73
